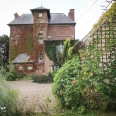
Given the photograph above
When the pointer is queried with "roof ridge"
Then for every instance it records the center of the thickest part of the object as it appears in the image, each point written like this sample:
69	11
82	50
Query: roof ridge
56	13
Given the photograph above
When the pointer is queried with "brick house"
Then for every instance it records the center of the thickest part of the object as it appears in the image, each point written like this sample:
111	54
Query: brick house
28	33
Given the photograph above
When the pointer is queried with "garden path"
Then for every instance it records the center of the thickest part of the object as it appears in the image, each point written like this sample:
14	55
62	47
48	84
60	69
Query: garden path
34	93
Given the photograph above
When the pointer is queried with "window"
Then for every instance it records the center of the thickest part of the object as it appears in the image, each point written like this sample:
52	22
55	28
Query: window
59	48
20	68
40	14
43	71
54	68
29	68
40	38
40	56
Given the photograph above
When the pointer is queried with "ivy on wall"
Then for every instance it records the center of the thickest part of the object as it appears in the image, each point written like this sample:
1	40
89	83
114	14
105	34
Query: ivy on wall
22	47
50	49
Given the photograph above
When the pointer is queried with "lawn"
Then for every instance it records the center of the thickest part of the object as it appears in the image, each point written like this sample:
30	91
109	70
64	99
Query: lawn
90	113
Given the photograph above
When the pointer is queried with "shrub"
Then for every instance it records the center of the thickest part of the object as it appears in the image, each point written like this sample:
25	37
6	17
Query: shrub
8	97
67	87
76	83
43	79
11	74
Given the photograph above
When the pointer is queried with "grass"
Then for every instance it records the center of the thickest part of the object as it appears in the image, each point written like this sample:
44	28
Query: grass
70	113
8	96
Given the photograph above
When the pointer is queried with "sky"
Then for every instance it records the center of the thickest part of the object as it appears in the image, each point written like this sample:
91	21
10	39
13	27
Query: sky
83	24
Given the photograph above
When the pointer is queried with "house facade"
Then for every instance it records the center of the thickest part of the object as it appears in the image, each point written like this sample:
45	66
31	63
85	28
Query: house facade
28	33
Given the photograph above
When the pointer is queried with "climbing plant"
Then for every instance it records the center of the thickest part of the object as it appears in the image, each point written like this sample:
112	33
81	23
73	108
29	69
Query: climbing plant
66	46
50	49
108	15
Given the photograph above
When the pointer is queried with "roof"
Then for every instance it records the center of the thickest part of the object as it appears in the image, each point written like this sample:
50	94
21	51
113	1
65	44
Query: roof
56	18
60	18
23	19
39	8
42	9
22	58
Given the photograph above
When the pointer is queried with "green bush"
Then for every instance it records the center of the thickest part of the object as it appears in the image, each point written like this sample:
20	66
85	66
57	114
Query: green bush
67	87
76	83
11	74
8	97
43	79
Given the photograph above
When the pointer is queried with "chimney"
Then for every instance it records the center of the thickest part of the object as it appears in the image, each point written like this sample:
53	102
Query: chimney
16	15
71	14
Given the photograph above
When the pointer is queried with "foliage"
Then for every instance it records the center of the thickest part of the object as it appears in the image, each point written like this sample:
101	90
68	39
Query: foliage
109	80
21	47
75	113
66	87
8	97
66	46
4	50
43	79
11	74
29	43
109	14
50	50
81	84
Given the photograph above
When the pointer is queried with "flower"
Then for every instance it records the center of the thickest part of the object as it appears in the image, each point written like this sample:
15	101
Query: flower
90	73
3	109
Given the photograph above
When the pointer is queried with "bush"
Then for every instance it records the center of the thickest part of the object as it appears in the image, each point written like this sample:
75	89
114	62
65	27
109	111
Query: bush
11	74
8	97
67	87
76	84
43	79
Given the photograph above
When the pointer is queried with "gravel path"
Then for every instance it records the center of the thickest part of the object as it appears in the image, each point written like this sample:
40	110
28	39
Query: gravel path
34	93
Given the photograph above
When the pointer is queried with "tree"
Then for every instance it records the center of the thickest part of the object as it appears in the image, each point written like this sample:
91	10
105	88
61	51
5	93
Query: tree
4	50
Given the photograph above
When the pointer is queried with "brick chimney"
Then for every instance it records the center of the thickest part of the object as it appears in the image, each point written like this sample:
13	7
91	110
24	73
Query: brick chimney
16	15
71	14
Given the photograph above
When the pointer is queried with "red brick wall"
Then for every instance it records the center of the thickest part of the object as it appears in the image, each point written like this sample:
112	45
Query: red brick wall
61	32
48	63
21	31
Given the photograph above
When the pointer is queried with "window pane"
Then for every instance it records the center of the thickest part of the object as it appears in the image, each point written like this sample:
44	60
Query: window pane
59	48
40	14
40	56
41	38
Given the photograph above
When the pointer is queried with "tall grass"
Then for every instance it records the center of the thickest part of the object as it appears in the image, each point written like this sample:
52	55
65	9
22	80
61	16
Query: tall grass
8	96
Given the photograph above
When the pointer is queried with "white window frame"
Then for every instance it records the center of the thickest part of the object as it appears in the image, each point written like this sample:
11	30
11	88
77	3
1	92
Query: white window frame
29	68
20	68
40	14
40	38
41	56
53	67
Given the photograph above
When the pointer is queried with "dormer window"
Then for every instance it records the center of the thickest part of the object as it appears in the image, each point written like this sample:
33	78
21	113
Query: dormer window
40	14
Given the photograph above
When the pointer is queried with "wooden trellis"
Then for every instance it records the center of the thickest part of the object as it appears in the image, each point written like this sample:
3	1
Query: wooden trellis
104	37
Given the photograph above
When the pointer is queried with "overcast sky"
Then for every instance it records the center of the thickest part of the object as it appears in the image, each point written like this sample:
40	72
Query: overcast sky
83	25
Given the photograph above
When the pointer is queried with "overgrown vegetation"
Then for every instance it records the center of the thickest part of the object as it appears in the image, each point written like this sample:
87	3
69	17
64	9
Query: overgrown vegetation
8	97
108	15
51	51
4	50
81	84
43	79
